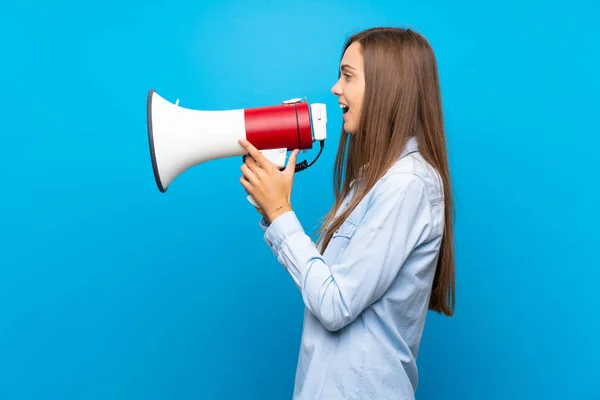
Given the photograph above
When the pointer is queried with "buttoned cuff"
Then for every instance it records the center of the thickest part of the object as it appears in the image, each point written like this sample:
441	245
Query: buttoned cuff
280	229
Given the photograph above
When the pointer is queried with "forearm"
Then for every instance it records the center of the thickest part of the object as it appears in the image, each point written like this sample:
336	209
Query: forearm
321	291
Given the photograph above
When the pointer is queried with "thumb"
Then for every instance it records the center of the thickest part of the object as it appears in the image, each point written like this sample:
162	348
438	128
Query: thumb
291	167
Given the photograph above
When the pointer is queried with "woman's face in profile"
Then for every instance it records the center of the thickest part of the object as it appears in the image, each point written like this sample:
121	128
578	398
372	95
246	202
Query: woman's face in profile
350	88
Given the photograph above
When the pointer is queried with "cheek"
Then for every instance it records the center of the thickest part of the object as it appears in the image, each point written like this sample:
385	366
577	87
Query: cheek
353	99
356	97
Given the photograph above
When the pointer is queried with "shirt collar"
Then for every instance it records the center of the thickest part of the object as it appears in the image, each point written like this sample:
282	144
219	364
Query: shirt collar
410	147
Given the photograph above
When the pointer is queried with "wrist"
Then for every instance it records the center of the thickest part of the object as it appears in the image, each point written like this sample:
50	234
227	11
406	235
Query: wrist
272	216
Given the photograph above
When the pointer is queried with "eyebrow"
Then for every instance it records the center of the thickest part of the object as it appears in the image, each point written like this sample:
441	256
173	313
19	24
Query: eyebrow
346	66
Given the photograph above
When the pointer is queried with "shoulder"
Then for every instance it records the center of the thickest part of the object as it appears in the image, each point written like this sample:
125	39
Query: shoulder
413	175
409	197
409	184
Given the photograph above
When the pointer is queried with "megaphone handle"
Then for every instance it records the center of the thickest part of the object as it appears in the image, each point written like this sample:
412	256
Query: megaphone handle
252	201
277	157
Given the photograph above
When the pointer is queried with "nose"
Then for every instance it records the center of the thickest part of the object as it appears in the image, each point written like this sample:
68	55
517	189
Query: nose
336	89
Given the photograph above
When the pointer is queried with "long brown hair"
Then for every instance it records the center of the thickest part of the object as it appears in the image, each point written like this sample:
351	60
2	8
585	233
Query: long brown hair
402	99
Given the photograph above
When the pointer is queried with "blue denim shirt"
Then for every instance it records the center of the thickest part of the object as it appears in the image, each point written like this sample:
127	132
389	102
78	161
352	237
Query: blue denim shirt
366	297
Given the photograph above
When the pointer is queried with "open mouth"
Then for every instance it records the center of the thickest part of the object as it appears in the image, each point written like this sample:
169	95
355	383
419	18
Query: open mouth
344	108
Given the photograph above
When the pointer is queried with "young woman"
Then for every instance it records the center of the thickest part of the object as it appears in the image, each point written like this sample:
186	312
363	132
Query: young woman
386	247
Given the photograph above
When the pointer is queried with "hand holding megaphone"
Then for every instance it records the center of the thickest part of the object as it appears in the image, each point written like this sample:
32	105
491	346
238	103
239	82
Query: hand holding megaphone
268	186
268	158
181	138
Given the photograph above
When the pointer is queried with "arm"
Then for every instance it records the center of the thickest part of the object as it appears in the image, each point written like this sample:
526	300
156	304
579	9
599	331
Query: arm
397	217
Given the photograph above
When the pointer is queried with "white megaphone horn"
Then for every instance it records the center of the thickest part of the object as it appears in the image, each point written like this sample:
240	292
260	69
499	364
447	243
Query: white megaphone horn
181	138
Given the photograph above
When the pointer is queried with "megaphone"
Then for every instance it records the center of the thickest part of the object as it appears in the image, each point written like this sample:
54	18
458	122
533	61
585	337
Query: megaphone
181	138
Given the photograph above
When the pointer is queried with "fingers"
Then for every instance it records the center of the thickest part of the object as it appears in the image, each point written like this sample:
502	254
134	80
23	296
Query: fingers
247	188
253	151
246	184
253	166
248	174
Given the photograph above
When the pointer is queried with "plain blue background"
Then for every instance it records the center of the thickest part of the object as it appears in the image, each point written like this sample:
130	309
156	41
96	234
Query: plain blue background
110	289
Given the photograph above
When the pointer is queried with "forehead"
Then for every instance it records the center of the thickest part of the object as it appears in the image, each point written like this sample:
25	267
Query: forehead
353	56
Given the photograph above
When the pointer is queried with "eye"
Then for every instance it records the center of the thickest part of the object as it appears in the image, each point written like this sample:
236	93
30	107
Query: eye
348	76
